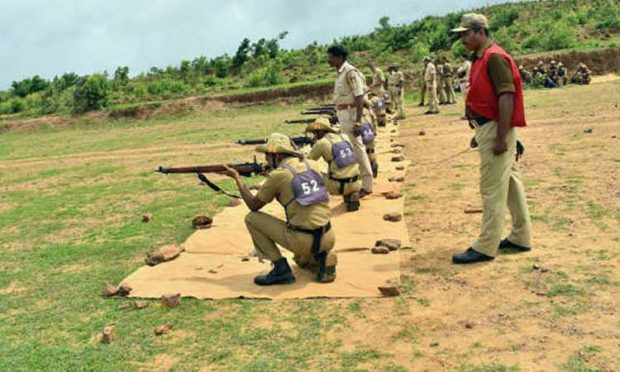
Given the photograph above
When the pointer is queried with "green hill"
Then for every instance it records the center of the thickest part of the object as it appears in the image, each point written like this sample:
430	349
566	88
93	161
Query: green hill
522	28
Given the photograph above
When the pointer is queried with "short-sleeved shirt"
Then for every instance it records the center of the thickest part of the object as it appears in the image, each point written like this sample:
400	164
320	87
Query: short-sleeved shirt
439	71
464	70
447	70
323	149
430	73
499	70
350	83
396	79
278	186
378	78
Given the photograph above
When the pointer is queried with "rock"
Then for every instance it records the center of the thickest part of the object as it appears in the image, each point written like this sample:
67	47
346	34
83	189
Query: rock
391	244
234	202
472	210
395	145
141	305
396	151
171	300
544	270
393	217
587	130
400	167
245	259
434	343
108	335
108	290
380	250
147	217
124	305
393	131
536	267
163	329
397	179
422	133
391	195
398	158
123	290
469	324
163	254
202	222
212	271
390	289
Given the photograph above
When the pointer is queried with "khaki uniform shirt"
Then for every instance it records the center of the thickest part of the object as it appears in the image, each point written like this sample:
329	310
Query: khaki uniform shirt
350	83
378	79
278	186
396	79
463	71
323	149
439	71
430	73
447	70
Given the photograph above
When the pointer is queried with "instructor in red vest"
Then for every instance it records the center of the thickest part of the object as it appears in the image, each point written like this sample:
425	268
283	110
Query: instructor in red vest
495	110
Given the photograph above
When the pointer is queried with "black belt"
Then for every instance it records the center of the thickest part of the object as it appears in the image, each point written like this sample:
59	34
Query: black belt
370	151
478	121
317	234
344	181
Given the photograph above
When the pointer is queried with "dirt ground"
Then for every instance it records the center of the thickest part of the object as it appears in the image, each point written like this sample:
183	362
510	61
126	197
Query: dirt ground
553	308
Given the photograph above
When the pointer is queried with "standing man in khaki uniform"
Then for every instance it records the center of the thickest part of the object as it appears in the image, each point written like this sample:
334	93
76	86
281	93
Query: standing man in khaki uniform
340	179
495	108
448	84
298	186
378	80
430	77
441	81
463	75
396	88
349	99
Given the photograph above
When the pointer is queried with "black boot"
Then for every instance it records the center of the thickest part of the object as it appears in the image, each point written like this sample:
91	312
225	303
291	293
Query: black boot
507	246
280	274
470	256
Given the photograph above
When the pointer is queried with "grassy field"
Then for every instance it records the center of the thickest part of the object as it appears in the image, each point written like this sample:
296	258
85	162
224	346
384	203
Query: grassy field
70	219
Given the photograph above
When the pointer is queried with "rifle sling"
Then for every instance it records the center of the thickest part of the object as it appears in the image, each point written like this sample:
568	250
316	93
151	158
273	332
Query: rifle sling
215	187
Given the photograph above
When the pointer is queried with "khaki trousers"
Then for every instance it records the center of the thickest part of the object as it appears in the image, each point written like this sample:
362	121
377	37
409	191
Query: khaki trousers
500	186
347	123
267	231
431	91
450	91
422	92
397	97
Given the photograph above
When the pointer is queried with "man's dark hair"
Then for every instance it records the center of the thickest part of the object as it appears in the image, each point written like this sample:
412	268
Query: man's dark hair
338	51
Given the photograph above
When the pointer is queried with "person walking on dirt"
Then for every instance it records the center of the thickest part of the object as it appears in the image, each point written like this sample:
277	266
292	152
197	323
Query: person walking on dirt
349	92
378	80
495	108
297	184
396	88
430	78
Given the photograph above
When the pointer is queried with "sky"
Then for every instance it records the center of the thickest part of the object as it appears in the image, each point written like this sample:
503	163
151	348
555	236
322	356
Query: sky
51	37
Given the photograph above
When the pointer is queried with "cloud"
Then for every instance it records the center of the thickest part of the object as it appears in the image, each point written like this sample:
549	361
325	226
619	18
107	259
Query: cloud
51	37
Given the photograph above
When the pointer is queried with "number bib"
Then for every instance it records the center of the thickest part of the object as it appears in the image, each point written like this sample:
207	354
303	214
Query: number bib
308	186
380	104
368	135
343	153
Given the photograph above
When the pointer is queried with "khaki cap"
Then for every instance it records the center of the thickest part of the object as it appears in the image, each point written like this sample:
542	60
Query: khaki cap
472	21
278	143
320	124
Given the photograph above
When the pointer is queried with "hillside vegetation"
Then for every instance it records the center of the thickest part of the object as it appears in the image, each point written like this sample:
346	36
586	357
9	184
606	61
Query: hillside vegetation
522	28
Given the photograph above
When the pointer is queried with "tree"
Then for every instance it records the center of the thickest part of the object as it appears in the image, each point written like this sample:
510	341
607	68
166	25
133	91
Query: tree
241	56
29	86
121	75
384	22
91	93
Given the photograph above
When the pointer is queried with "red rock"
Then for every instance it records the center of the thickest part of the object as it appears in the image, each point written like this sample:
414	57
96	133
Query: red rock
380	250
393	217
147	217
171	300
163	329
202	222
108	335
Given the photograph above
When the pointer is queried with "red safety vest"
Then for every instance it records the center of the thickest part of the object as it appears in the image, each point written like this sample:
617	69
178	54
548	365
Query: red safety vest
481	98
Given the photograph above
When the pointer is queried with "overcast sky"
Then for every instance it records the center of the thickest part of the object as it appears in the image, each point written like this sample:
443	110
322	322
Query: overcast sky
50	37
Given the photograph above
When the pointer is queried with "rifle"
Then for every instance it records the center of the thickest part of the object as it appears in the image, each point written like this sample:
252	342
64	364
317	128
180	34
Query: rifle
298	141
244	169
319	112
299	121
322	107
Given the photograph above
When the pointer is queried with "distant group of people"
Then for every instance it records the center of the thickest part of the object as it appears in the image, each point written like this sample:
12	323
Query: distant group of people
555	75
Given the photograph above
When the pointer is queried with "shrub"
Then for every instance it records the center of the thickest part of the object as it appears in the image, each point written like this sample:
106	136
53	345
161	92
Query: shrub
505	17
271	74
91	93
418	51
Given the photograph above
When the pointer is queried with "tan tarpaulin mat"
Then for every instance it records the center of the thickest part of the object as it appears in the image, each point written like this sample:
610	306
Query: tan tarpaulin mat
212	268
